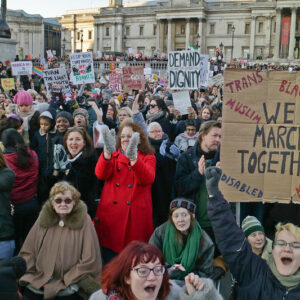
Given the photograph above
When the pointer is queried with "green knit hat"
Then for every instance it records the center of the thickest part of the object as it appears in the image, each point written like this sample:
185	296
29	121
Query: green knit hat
250	224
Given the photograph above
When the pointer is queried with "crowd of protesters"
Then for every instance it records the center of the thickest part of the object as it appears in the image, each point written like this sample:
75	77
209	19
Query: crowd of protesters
117	179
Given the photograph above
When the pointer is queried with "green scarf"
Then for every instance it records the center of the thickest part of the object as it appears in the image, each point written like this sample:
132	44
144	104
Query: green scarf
176	252
289	282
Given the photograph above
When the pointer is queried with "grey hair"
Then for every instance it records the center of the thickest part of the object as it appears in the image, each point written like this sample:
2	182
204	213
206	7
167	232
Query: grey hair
151	125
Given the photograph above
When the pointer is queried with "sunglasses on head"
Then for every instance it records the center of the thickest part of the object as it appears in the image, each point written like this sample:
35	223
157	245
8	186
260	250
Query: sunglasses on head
59	200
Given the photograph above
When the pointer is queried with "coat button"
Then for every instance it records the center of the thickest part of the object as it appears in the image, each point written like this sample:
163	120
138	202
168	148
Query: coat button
114	202
130	185
118	169
128	202
117	184
129	169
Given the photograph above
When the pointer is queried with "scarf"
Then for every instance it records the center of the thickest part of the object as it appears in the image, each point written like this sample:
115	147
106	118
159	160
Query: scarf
289	282
152	117
114	295
72	159
175	252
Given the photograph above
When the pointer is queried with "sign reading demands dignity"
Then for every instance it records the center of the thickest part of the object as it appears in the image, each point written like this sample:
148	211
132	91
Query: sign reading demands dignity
188	70
260	149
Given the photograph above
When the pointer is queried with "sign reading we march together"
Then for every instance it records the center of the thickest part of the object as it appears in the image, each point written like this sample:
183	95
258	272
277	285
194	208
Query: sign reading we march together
260	149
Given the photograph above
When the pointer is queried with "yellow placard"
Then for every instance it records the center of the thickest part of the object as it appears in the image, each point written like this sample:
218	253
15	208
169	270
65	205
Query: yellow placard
7	83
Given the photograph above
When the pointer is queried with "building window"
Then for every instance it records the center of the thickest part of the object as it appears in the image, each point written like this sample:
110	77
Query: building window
154	29
90	34
247	28
141	30
107	31
212	28
260	27
229	28
182	29
127	30
78	35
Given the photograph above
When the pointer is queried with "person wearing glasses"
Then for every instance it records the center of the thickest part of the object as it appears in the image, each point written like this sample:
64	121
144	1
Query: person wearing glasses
277	277
61	250
125	210
185	246
139	272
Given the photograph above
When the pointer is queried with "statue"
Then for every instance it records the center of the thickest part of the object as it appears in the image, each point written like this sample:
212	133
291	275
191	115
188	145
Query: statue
4	28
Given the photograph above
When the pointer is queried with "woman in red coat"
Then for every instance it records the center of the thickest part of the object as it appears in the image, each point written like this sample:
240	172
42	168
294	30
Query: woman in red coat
125	209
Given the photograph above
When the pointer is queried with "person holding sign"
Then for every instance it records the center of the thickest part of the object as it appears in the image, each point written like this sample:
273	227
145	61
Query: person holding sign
276	278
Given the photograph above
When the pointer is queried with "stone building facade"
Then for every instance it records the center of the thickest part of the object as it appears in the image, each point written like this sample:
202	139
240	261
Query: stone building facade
243	29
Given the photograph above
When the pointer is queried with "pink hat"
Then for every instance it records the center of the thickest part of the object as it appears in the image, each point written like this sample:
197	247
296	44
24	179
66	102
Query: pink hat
23	98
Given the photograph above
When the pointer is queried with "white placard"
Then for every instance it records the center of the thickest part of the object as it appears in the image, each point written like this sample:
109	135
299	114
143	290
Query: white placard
21	68
82	68
187	70
182	101
147	71
56	80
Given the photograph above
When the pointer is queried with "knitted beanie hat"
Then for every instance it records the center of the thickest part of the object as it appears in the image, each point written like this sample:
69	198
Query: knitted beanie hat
81	111
184	203
66	115
250	224
23	98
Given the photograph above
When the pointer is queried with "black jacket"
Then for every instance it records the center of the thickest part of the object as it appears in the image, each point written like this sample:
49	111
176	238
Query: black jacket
255	279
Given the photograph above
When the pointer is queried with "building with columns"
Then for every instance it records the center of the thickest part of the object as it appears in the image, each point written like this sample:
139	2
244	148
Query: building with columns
243	29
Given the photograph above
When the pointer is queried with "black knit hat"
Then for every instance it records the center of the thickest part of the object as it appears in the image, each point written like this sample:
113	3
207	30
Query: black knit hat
66	115
184	203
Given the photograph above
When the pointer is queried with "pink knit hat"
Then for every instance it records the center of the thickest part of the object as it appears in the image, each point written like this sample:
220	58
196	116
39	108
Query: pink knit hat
23	98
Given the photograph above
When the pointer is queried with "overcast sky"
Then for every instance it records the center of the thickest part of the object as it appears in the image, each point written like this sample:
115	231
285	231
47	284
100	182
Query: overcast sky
55	8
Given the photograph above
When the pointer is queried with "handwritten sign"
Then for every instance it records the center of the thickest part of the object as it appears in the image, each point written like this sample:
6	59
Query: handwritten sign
182	101
56	80
21	68
82	68
187	70
115	82
260	154
7	83
133	78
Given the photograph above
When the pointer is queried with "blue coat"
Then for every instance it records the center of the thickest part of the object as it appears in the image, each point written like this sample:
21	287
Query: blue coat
255	279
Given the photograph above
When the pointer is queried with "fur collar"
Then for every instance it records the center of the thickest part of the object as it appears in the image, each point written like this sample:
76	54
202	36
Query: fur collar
74	220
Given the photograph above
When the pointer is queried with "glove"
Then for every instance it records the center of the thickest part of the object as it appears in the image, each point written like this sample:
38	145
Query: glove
175	151
218	273
109	139
213	175
131	151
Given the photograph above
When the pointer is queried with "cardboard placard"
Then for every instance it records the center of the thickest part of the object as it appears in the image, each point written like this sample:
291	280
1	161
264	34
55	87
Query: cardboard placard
82	68
115	82
7	83
187	70
260	150
182	101
217	80
56	80
21	68
133	78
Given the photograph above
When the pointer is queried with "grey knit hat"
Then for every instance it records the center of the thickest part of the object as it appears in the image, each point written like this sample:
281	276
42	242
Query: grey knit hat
184	203
81	111
250	224
66	115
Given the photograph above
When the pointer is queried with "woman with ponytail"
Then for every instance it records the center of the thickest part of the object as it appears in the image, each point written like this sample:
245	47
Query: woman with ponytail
24	163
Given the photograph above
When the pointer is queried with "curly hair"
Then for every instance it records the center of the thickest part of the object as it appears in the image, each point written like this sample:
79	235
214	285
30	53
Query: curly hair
61	187
144	145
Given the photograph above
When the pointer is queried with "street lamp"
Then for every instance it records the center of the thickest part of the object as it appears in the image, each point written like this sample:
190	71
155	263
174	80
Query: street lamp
124	46
198	42
232	30
81	38
220	56
63	46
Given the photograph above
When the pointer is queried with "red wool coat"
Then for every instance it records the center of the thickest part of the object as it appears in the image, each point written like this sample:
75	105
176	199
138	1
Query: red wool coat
125	208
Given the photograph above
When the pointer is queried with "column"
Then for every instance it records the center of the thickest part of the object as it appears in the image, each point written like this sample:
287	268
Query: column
95	48
158	36
100	37
292	34
120	37
169	35
268	37
112	42
252	37
200	33
187	33
278	33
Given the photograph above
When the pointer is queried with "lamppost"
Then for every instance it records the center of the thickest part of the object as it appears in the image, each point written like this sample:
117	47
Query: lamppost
198	42
124	45
220	56
81	38
63	46
232	30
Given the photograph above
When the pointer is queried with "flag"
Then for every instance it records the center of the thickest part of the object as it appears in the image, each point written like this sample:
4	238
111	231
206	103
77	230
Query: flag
38	71
191	47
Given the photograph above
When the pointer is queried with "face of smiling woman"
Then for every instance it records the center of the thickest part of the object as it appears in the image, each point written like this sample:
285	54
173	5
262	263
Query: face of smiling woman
75	143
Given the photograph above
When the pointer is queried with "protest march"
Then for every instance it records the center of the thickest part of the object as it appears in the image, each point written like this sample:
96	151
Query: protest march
134	182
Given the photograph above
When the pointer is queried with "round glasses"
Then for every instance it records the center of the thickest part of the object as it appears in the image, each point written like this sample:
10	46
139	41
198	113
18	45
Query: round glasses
59	200
144	272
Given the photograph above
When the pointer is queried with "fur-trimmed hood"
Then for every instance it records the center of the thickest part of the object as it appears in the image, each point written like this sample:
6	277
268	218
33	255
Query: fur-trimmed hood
75	220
